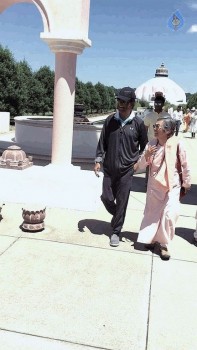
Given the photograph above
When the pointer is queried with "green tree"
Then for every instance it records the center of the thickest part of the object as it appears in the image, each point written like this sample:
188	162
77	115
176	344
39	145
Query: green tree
82	95
192	102
188	95
144	103
112	97
24	81
87	99
8	82
137	105
95	99
104	95
45	78
36	104
79	92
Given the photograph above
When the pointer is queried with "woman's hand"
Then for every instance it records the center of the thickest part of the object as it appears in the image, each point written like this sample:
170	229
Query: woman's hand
150	151
135	167
187	188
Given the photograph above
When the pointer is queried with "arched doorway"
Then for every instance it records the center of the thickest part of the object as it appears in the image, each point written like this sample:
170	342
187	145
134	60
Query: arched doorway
66	33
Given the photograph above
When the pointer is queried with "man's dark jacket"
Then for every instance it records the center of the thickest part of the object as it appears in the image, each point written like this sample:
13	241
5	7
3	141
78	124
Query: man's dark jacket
119	147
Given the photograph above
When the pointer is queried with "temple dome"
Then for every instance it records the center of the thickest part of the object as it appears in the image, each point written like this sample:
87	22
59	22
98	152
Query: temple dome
172	92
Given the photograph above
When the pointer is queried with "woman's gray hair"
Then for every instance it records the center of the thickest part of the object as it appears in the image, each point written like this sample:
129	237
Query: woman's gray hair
169	125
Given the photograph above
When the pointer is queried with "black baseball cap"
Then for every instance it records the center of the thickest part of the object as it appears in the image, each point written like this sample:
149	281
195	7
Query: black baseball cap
159	97
126	94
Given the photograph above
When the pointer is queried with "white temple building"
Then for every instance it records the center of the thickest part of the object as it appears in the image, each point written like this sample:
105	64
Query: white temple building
172	92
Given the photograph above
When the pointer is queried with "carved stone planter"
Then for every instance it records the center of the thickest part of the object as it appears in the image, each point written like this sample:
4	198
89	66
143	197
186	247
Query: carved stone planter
15	158
33	220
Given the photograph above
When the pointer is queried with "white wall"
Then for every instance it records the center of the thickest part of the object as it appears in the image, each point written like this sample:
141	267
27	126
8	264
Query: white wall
4	122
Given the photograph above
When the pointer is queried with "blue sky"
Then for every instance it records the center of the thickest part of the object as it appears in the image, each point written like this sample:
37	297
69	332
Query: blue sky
130	39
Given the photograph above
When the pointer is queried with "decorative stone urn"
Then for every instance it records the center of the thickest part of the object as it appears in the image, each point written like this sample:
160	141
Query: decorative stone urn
15	158
33	220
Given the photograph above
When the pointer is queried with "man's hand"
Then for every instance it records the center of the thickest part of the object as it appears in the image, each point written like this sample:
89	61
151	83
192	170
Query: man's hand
97	169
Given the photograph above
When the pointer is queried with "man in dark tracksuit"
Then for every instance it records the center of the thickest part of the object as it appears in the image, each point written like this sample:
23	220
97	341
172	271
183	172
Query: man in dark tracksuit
122	139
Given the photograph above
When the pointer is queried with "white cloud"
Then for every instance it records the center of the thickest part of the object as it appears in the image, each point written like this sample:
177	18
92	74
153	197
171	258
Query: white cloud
193	6
193	29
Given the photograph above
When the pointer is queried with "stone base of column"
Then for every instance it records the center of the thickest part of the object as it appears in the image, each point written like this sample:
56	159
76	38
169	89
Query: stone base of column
53	186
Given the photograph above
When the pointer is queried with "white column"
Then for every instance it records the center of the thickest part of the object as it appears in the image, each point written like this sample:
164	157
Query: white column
64	96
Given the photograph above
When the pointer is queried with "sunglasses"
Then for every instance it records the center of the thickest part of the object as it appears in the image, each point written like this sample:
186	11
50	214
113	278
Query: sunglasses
157	126
121	102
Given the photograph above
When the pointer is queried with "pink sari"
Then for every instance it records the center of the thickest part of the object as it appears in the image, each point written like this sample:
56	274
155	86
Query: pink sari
162	201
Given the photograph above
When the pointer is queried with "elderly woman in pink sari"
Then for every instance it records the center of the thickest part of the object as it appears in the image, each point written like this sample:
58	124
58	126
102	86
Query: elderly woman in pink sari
167	158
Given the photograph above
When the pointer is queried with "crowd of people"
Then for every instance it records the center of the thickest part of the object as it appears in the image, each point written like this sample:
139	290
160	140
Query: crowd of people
187	119
127	142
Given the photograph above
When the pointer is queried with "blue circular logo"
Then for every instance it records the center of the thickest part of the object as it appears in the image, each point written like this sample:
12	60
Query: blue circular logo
176	21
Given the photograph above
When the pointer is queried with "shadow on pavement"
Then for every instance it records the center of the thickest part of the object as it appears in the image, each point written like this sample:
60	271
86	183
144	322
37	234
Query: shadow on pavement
98	227
191	196
186	233
129	236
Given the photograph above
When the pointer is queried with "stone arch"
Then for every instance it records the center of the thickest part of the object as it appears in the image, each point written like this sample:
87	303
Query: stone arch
40	4
66	33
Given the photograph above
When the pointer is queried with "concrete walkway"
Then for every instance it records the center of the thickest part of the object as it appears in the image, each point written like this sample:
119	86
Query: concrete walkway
65	288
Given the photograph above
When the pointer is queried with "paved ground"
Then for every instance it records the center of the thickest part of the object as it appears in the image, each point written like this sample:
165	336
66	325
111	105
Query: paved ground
65	288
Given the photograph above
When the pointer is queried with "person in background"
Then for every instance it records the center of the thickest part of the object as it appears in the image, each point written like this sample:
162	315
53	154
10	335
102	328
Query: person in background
122	139
187	119
193	123
178	117
151	118
165	155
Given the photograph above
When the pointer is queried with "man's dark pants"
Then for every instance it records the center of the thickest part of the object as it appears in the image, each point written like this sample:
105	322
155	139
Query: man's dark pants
115	197
177	127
